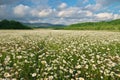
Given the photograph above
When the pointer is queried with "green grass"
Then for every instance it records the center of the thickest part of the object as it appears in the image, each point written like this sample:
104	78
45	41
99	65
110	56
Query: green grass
59	55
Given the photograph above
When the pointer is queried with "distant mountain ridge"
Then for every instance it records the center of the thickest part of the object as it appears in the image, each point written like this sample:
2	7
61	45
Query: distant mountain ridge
43	25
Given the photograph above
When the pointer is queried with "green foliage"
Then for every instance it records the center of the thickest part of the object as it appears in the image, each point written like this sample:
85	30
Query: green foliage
5	24
103	25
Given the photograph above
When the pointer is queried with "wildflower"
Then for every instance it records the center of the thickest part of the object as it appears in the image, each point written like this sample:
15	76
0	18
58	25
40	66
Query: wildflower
78	67
81	78
26	61
64	61
14	79
71	71
43	62
108	49
86	66
34	74
7	75
118	75
61	68
19	57
7	59
50	77
98	56
78	72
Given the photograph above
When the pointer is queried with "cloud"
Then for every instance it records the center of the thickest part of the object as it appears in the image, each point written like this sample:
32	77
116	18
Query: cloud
106	2
41	13
93	7
100	5
21	10
68	12
85	13
62	5
45	13
85	1
74	12
116	16
42	2
104	15
107	16
59	11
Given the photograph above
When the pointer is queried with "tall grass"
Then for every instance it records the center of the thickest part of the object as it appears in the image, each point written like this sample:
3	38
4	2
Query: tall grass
59	55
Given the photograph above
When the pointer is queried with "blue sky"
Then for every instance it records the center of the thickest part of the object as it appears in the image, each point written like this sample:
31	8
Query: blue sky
59	11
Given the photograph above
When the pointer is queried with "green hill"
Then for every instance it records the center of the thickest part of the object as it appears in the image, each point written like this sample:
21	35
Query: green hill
5	24
103	25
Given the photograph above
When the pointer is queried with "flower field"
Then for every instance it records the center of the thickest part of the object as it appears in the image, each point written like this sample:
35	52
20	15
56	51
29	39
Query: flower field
59	55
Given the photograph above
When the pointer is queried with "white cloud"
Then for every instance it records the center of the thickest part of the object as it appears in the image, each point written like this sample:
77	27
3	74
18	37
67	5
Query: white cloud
21	10
34	12
116	16
104	15
62	5
85	1
68	12
65	13
89	13
41	13
45	13
94	7
74	12
107	16
85	13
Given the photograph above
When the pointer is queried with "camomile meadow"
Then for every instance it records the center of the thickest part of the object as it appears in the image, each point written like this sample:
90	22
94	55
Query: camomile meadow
59	55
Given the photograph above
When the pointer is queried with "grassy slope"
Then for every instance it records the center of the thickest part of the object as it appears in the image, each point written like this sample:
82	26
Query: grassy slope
110	25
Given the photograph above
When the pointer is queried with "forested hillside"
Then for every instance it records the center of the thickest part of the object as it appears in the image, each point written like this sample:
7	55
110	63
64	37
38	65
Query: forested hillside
103	25
6	24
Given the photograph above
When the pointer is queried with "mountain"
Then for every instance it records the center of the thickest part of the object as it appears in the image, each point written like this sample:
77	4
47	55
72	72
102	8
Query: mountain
102	25
6	24
43	25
